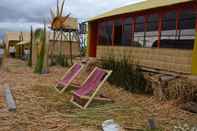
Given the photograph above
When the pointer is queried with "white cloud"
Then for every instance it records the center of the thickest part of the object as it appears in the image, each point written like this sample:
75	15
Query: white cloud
19	15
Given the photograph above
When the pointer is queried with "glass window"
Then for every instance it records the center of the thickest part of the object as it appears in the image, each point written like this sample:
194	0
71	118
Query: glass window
117	32
105	33
187	19
152	23
139	25
169	21
127	32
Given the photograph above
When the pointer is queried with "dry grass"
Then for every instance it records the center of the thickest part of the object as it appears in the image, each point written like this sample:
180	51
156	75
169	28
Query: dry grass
40	107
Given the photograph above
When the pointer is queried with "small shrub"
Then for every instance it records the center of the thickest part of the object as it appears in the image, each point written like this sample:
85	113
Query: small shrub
40	40
125	75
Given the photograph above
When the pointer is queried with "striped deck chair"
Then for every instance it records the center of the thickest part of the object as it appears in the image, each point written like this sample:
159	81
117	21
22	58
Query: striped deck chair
68	77
87	92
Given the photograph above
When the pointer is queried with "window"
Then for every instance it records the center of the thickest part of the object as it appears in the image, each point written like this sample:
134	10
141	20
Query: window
187	19
152	23
105	33
139	26
127	32
118	32
169	21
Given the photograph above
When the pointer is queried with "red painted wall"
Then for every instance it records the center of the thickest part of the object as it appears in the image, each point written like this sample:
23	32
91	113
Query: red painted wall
92	36
93	31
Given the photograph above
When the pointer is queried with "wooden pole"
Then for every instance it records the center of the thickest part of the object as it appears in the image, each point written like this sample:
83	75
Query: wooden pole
61	41
70	42
46	42
30	49
133	28
178	30
145	29
113	33
53	48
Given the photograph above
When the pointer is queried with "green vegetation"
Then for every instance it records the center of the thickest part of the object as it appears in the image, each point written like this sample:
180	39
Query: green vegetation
40	40
125	75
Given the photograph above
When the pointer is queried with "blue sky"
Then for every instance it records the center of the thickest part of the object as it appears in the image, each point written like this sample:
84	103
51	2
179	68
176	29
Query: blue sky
19	15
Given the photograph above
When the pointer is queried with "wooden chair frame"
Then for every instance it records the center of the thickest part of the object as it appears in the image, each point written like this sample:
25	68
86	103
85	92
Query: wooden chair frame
69	82
90	98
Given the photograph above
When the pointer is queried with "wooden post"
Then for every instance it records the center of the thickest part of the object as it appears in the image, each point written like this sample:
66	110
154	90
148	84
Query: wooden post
122	23
46	42
30	48
53	49
133	28
61	41
178	30
113	33
70	42
145	29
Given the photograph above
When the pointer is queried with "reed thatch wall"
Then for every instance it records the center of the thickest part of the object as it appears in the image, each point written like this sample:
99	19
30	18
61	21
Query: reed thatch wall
175	60
64	48
56	48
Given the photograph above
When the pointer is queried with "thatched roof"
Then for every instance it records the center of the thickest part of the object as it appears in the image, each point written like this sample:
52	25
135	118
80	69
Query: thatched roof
64	22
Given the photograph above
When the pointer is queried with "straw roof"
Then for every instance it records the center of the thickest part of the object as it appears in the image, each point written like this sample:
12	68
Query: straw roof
61	22
148	4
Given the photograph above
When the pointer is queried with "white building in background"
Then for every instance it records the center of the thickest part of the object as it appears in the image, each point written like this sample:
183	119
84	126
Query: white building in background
15	36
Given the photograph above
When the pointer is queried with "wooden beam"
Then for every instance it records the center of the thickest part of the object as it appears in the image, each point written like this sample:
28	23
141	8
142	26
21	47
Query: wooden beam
9	99
96	98
159	30
113	33
145	29
177	24
133	28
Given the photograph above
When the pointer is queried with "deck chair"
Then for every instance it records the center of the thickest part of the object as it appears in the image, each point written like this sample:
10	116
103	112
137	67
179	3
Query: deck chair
88	90
68	77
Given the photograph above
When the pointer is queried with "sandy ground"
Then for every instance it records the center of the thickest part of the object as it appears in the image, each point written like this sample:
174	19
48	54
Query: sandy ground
41	108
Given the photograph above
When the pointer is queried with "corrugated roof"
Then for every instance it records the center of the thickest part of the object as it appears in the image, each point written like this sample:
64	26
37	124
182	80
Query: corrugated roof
145	5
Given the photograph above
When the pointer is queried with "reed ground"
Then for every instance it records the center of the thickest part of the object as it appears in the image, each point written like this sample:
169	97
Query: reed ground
41	108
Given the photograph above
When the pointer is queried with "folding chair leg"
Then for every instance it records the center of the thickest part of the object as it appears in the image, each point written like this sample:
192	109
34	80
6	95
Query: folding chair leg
97	98
56	87
75	103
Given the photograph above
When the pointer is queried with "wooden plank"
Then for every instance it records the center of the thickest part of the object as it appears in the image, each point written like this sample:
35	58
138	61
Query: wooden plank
167	78
176	74
9	99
